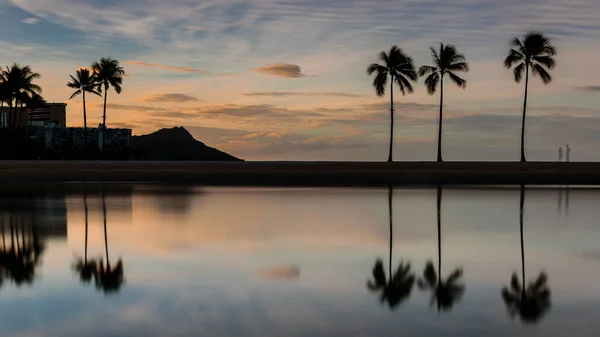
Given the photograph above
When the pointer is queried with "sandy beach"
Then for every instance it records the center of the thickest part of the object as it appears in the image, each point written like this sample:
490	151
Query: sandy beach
302	173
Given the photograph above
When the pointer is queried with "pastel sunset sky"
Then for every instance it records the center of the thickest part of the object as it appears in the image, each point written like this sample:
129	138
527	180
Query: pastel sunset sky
286	80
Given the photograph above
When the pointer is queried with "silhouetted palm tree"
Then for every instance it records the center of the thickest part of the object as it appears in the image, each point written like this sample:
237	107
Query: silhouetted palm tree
530	302
108	279
19	82
532	51
399	286
444	293
83	82
447	61
108	74
399	67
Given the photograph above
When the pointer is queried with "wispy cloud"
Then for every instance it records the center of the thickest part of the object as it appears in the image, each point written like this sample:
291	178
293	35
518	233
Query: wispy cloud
168	67
589	88
170	98
131	107
281	70
309	94
31	21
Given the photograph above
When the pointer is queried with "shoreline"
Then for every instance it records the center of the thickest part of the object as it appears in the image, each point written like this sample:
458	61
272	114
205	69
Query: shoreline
303	173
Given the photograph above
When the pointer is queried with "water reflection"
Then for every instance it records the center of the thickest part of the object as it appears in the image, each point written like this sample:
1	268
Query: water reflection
107	279
529	302
443	293
23	243
398	287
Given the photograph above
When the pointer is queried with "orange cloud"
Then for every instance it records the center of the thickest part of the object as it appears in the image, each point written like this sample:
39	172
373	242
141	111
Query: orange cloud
281	70
168	67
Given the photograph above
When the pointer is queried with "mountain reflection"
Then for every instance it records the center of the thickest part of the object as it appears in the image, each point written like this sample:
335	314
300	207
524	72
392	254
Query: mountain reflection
530	302
444	293
398	287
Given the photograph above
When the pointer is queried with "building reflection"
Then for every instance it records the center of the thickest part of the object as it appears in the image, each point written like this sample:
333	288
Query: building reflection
528	301
395	288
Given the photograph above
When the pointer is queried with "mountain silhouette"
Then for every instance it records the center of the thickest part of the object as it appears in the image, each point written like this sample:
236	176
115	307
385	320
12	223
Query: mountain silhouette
175	144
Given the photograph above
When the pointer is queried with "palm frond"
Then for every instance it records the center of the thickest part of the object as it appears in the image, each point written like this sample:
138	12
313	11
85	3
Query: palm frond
424	70
512	58
515	285
516	42
404	83
431	82
375	67
545	60
537	69
459	66
384	57
518	72
459	81
75	94
379	83
435	57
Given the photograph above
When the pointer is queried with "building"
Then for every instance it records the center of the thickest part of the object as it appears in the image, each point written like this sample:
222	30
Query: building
54	136
51	112
115	138
20	117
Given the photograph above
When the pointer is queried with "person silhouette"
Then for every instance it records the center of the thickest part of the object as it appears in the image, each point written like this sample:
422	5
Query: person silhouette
568	153
560	154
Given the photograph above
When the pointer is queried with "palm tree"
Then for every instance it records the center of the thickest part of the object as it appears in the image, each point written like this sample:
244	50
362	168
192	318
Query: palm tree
83	82
19	82
530	302
108	73
399	67
399	285
447	61
444	293
532	51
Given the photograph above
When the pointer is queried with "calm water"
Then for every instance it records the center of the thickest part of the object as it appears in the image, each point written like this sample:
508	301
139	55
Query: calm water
297	262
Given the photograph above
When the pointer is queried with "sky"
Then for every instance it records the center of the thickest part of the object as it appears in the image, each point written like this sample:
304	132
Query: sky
286	79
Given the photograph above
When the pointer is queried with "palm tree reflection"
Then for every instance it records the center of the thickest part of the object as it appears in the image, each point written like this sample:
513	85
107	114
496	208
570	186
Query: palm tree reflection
398	287
107	278
86	269
444	293
19	261
529	302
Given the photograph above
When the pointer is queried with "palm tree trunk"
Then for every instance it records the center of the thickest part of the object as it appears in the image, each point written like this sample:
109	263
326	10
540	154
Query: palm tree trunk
390	191
439	150
391	119
85	139
524	111
2	108
522	201
104	121
105	232
439	228
85	208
